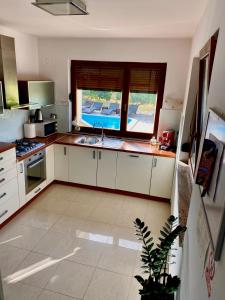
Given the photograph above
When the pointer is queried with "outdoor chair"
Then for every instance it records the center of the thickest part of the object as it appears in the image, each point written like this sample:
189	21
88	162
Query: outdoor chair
113	108
95	106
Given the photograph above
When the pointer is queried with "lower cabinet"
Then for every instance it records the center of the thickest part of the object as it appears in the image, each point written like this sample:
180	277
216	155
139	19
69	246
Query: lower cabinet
133	172
82	165
93	167
50	169
61	160
106	173
162	176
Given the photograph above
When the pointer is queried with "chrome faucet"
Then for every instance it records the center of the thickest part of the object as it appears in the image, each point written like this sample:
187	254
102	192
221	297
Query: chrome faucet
101	125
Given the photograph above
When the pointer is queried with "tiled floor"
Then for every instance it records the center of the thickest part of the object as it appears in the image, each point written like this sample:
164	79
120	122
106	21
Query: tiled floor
73	243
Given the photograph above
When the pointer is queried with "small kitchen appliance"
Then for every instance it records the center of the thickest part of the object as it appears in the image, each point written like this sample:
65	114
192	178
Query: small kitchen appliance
29	130
38	116
167	139
46	128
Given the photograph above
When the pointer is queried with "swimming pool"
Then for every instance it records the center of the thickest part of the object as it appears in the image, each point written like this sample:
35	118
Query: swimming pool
110	122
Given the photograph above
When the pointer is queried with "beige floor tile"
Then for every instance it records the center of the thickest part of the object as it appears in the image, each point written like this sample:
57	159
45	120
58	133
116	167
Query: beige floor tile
20	291
10	258
125	237
37	218
108	286
71	279
79	210
35	270
21	236
56	244
134	290
47	295
118	259
68	225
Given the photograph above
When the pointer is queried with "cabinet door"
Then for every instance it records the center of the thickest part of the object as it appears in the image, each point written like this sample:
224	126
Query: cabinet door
162	177
21	183
133	172
50	173
61	162
82	165
106	174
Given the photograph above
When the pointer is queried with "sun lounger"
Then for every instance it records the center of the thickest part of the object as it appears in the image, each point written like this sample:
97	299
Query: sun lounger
113	108
95	106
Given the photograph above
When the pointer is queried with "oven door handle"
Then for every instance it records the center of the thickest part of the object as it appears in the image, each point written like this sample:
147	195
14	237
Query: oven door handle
35	163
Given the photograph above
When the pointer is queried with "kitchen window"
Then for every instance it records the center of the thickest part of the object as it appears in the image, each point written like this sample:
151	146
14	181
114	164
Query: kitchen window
123	98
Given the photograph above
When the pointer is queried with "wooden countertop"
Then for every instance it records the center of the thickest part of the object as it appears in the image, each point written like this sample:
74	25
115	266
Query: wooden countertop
140	147
136	146
6	146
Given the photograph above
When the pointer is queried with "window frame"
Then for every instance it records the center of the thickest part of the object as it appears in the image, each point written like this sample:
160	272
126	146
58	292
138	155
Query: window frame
126	66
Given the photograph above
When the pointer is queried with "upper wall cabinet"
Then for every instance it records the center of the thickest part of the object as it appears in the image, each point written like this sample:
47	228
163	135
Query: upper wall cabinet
36	93
8	72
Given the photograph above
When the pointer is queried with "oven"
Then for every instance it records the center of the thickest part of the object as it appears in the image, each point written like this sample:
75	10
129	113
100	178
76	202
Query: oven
35	170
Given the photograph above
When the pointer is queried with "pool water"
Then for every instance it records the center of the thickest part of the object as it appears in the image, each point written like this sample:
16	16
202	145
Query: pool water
110	122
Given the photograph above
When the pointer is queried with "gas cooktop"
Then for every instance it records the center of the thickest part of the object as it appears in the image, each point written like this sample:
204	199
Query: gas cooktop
24	146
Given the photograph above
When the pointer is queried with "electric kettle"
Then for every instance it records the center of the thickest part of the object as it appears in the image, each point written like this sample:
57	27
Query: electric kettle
38	117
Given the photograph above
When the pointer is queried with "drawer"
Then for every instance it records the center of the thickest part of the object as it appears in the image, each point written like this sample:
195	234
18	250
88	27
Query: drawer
8	155
36	191
8	190
7	176
9	208
6	166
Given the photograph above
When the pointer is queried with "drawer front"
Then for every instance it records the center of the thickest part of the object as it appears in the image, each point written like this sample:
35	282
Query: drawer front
6	166
8	190
8	155
8	208
36	191
7	176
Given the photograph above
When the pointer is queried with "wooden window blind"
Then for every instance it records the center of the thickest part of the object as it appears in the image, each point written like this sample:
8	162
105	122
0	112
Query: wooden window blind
104	78
145	81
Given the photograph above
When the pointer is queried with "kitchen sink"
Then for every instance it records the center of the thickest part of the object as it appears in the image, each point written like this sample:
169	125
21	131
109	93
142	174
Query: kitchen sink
88	140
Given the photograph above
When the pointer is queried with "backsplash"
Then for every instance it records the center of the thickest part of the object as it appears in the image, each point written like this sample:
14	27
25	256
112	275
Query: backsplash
11	124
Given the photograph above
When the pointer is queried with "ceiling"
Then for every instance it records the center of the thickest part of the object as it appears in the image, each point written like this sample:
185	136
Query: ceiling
108	18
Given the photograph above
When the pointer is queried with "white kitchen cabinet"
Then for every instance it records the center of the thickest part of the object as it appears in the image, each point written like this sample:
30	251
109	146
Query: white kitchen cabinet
21	183
106	173
82	165
61	160
133	172
162	176
50	170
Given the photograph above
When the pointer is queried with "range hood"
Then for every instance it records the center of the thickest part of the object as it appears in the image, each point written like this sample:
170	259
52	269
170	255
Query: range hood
62	7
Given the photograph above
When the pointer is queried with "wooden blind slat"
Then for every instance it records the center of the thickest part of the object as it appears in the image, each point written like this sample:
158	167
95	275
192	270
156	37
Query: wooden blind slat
99	78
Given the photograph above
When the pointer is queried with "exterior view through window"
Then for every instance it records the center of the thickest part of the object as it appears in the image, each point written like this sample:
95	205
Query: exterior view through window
122	98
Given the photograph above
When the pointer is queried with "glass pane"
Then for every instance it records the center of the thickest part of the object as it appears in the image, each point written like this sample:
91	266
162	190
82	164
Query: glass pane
141	112
99	109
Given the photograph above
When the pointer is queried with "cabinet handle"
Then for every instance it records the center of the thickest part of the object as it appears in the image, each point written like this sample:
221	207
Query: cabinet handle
38	190
99	155
3	213
134	156
1	158
93	154
3	195
2	169
2	180
21	168
154	162
65	151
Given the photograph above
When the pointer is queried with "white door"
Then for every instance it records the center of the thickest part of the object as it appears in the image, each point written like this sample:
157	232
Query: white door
82	165
133	172
21	183
50	173
162	176
61	162
106	174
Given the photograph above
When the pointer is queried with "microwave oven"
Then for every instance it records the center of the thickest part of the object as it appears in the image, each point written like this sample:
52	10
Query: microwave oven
46	128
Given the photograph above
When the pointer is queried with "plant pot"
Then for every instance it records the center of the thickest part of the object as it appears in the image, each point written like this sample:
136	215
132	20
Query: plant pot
163	297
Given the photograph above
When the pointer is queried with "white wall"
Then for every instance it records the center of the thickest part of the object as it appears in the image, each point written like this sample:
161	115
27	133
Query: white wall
55	56
27	68
193	283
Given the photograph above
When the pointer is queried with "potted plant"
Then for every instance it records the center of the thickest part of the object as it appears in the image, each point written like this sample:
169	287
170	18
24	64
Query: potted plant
159	285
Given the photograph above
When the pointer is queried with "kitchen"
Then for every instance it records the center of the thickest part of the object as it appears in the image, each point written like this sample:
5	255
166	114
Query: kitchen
90	117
